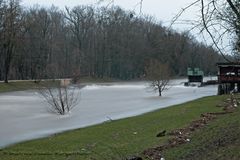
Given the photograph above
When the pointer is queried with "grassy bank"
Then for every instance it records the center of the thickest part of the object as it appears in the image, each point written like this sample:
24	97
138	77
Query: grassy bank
219	140
113	140
24	85
16	86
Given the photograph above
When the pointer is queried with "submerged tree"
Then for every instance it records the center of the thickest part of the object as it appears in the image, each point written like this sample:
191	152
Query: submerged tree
62	98
159	75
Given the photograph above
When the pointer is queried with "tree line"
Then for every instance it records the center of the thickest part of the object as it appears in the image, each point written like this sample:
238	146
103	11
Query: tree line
38	43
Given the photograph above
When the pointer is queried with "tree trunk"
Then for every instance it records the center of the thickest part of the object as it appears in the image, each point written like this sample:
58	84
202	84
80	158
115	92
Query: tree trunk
6	76
160	92
7	63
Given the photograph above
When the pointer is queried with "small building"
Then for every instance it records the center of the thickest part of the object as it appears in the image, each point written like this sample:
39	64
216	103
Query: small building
65	82
195	75
228	77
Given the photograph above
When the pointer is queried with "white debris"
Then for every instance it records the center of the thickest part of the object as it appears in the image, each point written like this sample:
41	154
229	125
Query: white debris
135	133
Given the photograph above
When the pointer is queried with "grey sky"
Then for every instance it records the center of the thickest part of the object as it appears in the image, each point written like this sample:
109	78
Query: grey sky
163	10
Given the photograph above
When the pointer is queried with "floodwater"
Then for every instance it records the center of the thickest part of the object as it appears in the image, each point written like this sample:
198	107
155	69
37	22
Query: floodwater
24	114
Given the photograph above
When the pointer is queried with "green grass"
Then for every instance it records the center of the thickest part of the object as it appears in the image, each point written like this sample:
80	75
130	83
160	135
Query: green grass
112	140
219	140
23	85
16	86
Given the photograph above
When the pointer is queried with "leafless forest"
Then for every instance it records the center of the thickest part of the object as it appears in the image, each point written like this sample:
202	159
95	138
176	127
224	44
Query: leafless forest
37	43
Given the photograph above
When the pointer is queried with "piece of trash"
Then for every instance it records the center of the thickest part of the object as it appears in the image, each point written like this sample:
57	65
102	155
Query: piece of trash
188	140
135	133
161	134
134	158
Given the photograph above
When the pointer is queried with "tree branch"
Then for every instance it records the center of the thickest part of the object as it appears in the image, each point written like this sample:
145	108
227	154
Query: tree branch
210	34
181	12
234	9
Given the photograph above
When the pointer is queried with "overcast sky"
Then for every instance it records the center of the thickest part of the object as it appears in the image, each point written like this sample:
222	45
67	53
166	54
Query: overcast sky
163	10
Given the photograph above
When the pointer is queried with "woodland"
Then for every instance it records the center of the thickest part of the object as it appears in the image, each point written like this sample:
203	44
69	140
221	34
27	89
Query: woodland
98	42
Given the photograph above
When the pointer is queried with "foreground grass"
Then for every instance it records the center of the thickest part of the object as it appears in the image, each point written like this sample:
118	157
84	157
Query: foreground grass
219	140
112	140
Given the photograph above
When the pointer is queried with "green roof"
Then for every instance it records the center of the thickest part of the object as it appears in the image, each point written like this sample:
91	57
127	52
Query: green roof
194	72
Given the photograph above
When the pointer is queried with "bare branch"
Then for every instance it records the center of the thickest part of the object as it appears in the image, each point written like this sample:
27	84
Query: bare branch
181	12
62	99
159	75
235	10
210	34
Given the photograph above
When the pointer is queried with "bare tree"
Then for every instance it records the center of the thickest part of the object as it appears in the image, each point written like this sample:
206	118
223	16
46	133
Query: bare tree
220	19
159	75
10	24
59	94
80	19
2	8
95	42
62	98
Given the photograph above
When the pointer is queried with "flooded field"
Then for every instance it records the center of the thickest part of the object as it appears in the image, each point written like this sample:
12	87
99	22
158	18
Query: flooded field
24	115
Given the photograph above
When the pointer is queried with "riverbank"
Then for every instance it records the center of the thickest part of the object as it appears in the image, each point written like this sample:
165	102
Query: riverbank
17	86
116	139
21	85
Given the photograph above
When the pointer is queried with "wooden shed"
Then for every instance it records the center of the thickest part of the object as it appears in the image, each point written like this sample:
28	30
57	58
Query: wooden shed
228	77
